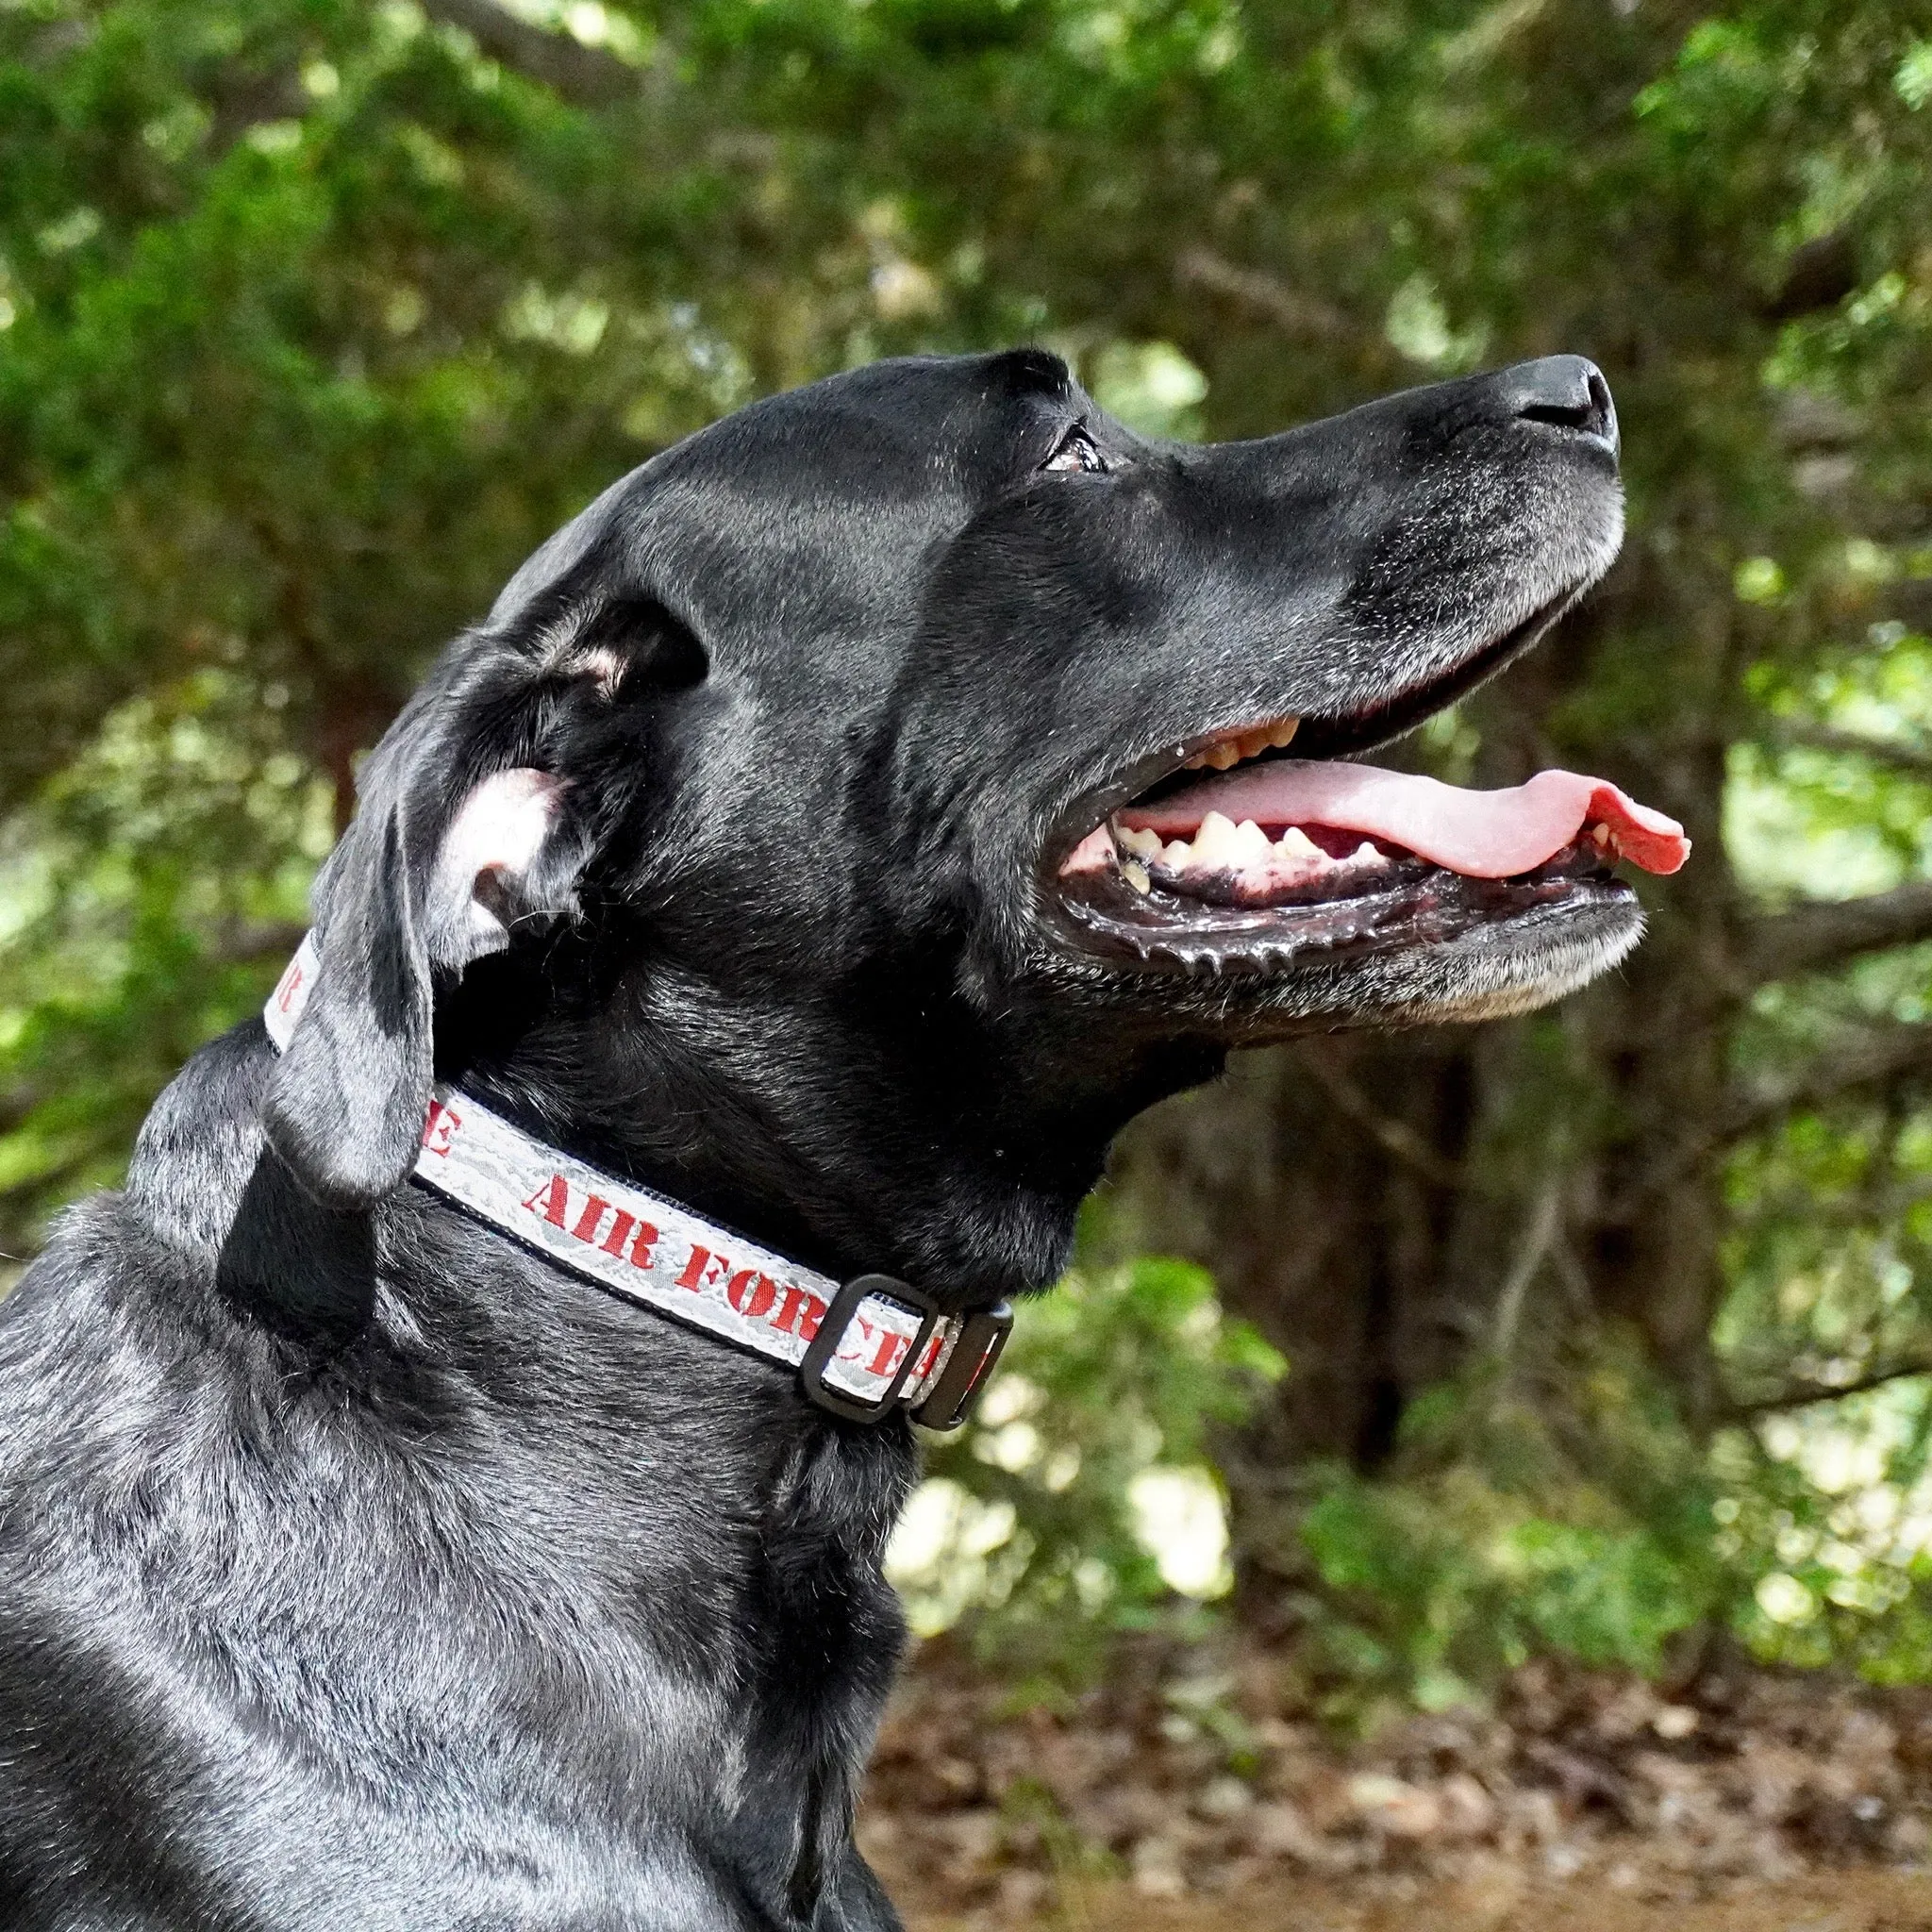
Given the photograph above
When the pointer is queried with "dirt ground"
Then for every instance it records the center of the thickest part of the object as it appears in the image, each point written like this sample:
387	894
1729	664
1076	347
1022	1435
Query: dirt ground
1197	1792
1855	1900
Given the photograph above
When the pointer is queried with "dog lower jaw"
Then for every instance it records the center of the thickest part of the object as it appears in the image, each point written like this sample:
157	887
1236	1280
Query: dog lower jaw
1479	984
1437	948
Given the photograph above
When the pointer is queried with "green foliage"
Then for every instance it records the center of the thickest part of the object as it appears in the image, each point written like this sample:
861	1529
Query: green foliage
1432	1592
147	901
1488	1542
1486	1546
1029	1527
1822	1517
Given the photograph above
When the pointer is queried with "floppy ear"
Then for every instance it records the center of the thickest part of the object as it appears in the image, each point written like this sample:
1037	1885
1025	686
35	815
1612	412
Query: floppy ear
436	870
468	833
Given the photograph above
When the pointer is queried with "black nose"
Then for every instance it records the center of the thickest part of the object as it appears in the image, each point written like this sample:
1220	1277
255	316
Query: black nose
1568	391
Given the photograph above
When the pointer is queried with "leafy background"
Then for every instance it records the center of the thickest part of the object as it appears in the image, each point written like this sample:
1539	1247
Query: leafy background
1605	1334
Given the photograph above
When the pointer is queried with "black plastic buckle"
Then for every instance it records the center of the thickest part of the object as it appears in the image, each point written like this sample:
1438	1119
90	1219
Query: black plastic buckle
968	1370
831	1332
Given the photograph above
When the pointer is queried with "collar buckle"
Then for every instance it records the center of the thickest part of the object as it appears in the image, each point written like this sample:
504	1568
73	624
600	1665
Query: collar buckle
953	1397
831	1333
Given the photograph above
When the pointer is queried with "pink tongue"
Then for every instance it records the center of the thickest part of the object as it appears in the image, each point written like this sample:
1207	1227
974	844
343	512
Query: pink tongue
1486	834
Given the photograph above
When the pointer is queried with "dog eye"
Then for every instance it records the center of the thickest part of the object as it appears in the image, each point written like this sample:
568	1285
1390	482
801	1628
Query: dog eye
1076	452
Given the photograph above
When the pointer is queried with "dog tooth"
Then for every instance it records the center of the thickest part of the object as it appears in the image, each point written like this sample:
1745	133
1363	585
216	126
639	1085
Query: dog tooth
1252	842
1223	756
1216	843
1364	851
1296	843
1198	762
1143	845
1284	733
1177	855
1136	876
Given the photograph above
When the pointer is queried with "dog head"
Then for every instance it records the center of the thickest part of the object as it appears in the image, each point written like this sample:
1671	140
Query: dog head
828	817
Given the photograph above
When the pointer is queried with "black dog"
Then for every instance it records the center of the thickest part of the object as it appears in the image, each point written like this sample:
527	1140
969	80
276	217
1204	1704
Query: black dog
802	837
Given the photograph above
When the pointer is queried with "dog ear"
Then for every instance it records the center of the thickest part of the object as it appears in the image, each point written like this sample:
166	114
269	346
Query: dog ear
476	816
427	877
466	836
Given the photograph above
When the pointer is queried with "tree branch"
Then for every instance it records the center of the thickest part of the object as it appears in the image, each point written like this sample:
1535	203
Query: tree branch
585	76
15	1108
1862	1209
1807	1394
1882	1055
245	942
1260	292
1539	1233
1827	933
1877	1059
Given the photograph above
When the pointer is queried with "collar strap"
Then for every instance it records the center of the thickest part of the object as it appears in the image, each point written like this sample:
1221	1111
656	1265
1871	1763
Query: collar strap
862	1350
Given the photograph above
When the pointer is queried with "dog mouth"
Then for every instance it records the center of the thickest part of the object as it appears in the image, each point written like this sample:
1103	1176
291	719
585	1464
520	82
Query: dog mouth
1246	856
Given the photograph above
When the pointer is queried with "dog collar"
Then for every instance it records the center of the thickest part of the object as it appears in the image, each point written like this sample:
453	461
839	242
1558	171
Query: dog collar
863	1349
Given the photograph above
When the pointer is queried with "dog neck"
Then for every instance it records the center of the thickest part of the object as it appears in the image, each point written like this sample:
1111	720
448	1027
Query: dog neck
885	1129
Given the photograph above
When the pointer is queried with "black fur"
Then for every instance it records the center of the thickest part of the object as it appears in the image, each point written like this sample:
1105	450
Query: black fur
359	1569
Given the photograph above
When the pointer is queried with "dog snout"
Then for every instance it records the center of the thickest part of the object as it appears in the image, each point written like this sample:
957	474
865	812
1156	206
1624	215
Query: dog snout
1566	391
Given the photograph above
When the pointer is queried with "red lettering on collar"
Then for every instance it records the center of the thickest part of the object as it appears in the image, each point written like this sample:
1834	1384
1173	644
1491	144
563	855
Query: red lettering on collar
892	1352
800	1313
704	1269
440	1128
550	1200
591	1218
751	1293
